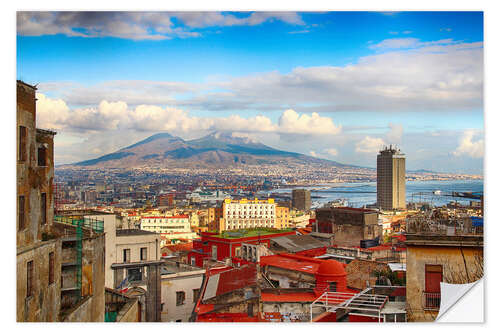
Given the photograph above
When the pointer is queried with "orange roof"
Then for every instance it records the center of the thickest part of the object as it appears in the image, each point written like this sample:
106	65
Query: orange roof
180	247
304	231
332	268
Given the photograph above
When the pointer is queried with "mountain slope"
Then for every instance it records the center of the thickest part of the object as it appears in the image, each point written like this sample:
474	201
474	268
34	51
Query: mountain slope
214	150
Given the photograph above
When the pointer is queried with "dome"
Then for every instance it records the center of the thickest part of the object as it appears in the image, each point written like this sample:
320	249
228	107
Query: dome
331	267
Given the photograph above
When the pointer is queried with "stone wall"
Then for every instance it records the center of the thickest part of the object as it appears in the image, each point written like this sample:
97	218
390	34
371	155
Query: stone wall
360	272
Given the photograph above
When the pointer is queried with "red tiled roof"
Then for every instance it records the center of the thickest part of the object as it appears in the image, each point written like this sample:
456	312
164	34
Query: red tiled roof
226	317
167	217
295	264
304	231
179	247
288	297
236	279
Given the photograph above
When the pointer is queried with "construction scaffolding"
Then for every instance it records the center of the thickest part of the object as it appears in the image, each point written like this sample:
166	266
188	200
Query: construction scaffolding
80	223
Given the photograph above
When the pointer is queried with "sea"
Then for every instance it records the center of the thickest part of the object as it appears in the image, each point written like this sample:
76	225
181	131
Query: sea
436	193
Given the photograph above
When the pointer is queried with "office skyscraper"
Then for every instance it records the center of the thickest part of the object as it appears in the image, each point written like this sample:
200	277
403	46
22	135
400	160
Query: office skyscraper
391	182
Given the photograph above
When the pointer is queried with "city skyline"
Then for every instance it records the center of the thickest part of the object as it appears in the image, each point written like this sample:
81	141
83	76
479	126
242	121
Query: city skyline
334	85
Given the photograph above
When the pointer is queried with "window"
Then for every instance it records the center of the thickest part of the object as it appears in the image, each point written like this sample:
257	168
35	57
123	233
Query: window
51	267
29	279
21	207
22	143
126	255
134	274
144	253
42	156
333	286
196	294
180	298
44	208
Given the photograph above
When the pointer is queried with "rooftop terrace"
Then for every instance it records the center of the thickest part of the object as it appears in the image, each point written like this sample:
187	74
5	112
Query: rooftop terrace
242	233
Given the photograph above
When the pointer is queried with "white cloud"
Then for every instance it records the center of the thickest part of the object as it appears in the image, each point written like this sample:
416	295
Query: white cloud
370	145
468	147
54	113
291	122
313	153
137	25
395	133
51	113
409	43
332	152
212	19
434	76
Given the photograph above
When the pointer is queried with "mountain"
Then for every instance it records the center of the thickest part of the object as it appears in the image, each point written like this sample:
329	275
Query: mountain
214	150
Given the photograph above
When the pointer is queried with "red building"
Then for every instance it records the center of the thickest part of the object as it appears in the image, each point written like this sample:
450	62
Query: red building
221	246
166	199
326	275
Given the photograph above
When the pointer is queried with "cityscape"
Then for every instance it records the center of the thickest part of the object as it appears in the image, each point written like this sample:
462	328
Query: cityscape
205	198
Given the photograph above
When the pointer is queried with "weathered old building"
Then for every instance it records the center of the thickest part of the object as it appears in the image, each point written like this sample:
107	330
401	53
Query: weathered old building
38	257
60	261
349	225
180	289
432	259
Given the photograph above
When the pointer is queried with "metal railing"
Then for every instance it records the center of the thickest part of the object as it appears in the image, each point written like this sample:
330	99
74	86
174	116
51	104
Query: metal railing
431	301
80	221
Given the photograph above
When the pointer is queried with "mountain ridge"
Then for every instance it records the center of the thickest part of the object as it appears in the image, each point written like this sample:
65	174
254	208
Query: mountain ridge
214	149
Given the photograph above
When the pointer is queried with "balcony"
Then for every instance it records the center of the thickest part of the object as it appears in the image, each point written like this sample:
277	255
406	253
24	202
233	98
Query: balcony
431	301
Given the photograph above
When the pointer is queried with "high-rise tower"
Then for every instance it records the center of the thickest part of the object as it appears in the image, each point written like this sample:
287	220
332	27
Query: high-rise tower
391	182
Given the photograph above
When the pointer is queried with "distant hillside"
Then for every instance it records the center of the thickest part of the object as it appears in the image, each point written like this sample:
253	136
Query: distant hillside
217	149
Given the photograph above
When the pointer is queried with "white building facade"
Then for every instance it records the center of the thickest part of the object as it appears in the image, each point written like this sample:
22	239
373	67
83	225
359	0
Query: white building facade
180	288
243	214
169	227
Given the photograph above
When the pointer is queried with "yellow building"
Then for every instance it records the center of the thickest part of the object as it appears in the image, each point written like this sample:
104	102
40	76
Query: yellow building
432	259
282	217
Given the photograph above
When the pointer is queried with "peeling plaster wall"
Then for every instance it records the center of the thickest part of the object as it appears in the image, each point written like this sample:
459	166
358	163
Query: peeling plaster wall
454	271
44	304
32	180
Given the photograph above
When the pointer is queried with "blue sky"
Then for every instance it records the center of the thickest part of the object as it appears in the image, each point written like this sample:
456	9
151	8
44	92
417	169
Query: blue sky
341	83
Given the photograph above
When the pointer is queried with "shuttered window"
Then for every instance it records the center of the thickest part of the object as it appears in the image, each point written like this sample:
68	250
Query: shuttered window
51	267
42	156
44	208
22	143
433	278
21	206
29	279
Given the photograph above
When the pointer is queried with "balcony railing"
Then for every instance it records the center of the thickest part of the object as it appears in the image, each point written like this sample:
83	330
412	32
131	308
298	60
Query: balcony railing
431	301
86	222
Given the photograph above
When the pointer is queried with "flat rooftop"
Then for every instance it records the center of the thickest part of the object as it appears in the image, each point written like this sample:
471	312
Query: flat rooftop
243	233
443	240
133	232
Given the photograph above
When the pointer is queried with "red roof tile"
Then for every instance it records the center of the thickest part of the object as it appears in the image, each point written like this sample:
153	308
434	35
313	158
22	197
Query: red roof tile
288	297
